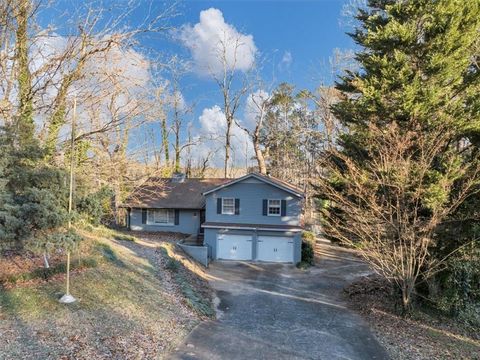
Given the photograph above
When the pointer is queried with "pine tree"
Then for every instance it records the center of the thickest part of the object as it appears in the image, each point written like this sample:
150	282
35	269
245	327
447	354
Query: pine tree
419	65
409	156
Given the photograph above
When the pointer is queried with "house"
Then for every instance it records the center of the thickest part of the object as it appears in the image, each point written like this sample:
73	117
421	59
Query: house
254	217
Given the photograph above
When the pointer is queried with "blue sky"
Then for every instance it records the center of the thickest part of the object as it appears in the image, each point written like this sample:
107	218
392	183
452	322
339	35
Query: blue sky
293	38
307	30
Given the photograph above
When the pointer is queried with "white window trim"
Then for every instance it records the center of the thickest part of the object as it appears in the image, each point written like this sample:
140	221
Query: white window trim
233	211
151	213
279	206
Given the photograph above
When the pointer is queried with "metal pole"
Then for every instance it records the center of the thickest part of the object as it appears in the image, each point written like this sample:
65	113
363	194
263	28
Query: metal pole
68	273
72	160
67	298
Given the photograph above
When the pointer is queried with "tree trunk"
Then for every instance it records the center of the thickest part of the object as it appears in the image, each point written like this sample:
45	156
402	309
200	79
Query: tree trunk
407	291
177	159
177	149
259	155
227	148
165	141
25	124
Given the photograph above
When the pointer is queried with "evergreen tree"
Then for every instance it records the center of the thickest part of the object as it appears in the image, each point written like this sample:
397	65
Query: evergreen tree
34	194
409	156
8	223
419	66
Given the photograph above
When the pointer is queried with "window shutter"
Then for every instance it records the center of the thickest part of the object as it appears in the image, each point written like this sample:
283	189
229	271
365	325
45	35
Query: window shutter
237	206
284	208
144	216
177	216
219	205
265	207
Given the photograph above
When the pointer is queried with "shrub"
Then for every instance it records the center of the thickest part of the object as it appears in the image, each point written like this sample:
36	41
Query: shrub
97	206
308	249
460	287
308	236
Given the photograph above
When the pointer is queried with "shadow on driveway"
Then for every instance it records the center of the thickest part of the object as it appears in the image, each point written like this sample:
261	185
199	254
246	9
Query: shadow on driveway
274	311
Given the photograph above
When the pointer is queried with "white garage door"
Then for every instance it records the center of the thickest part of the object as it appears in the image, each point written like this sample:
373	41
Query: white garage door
234	247
275	248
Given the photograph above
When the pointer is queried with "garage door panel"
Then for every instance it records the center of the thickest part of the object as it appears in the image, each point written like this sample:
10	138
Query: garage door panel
275	248
235	247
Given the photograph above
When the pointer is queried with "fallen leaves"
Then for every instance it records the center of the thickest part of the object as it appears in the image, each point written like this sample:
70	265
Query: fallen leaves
420	337
129	311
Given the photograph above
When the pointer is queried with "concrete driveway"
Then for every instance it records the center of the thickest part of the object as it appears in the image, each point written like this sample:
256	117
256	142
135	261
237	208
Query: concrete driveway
273	311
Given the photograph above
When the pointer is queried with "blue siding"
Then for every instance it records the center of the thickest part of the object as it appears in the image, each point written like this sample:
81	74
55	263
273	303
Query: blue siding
211	240
251	195
188	223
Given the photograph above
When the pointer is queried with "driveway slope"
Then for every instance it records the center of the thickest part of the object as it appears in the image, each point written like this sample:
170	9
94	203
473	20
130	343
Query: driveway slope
273	311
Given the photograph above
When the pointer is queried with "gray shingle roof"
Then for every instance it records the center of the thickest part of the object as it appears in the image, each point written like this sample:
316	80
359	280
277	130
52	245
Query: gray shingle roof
164	193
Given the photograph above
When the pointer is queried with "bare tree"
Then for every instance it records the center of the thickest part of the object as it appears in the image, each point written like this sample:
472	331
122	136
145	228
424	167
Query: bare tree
232	86
324	98
261	101
95	34
157	112
179	110
390	207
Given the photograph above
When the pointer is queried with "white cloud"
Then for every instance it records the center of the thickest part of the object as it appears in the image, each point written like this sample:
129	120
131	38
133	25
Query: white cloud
286	61
205	39
212	121
212	131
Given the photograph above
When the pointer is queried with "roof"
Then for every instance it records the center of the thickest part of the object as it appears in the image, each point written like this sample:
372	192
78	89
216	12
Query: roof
282	227
265	178
162	193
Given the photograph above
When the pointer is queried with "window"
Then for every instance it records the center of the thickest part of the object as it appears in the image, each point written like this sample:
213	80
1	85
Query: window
274	207
161	217
228	206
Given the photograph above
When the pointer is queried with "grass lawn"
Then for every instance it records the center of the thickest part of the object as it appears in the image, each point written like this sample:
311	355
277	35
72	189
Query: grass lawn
130	305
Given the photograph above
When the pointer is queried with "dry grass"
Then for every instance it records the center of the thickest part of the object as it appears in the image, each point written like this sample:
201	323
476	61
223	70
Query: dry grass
128	308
